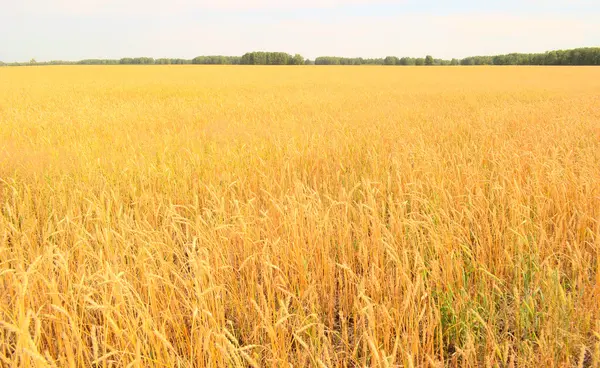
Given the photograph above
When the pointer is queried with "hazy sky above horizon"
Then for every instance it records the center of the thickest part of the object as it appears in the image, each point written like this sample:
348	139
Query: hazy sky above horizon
80	29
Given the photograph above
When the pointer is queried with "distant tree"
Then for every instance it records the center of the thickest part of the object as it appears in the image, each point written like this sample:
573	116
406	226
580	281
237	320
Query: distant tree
330	60
143	61
246	59
180	61
484	60
297	60
277	58
580	56
2	63
478	60
260	58
538	59
407	61
267	58
327	60
391	60
563	57
467	61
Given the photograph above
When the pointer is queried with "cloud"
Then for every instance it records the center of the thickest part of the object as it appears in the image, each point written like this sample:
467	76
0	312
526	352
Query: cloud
143	8
87	7
179	28
401	35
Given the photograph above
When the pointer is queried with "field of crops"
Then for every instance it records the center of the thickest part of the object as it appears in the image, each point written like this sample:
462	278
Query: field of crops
198	216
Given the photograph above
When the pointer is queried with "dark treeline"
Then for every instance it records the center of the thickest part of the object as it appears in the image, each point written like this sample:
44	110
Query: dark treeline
390	60
271	58
580	56
250	58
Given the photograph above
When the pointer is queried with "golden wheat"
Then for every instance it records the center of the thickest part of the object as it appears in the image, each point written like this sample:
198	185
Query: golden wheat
299	216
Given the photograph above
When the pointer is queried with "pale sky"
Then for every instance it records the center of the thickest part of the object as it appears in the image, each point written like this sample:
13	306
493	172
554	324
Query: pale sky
80	29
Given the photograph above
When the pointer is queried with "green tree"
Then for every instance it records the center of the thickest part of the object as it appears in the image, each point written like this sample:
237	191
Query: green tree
297	60
391	60
143	61
407	61
277	58
580	56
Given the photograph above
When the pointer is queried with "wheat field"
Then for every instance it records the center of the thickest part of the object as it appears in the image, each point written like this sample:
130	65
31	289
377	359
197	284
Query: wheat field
190	216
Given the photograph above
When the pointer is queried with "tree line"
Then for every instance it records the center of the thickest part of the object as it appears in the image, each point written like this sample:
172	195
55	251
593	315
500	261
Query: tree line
389	60
250	58
579	56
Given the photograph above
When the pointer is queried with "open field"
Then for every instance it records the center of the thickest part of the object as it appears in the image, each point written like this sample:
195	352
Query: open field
310	216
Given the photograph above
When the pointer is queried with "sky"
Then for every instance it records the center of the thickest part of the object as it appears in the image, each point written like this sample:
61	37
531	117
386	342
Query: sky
80	29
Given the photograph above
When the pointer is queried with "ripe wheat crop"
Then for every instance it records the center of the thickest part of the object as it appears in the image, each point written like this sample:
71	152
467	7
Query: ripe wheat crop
186	216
